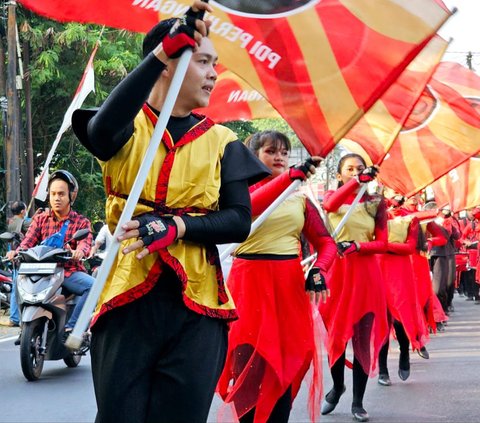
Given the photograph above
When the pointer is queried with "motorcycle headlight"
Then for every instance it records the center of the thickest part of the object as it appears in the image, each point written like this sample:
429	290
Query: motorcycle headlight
28	297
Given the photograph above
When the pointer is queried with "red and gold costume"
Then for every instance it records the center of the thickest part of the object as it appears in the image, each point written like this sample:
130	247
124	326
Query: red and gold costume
400	282
357	307
185	178
272	345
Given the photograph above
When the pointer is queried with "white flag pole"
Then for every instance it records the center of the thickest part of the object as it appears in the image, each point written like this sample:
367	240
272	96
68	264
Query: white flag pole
255	225
75	339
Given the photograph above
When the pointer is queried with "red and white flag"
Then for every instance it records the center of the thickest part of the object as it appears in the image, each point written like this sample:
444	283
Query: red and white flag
320	63
86	86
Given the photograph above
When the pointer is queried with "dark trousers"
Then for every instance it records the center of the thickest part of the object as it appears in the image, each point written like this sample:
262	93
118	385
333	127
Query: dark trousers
154	360
404	345
279	414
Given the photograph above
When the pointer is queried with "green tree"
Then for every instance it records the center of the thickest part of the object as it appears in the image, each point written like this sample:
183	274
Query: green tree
58	55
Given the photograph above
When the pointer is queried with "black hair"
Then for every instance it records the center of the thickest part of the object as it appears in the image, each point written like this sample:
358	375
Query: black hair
256	141
155	36
17	207
343	159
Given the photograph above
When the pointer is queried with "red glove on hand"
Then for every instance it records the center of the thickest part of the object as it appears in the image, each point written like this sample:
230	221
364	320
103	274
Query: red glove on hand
156	232
303	170
367	175
315	281
181	36
347	247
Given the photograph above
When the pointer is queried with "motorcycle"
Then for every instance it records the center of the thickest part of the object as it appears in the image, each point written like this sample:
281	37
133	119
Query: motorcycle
5	289
6	276
45	308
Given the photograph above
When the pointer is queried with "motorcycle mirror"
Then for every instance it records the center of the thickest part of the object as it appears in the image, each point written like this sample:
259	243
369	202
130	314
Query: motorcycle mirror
79	235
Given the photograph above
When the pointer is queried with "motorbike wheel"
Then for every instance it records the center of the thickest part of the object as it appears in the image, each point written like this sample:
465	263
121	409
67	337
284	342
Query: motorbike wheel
72	360
31	358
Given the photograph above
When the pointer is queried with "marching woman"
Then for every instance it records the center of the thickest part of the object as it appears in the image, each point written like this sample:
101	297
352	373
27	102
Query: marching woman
432	235
271	346
403	307
356	309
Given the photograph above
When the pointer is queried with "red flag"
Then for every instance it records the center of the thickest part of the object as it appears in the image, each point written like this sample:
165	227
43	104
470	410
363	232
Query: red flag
460	187
442	132
373	135
321	64
234	99
85	87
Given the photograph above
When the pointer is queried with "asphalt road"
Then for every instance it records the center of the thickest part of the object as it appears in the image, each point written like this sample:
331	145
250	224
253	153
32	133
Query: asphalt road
445	388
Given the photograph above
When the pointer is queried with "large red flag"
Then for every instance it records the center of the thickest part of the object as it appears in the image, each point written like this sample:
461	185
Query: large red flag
460	187
320	63
442	132
234	99
373	135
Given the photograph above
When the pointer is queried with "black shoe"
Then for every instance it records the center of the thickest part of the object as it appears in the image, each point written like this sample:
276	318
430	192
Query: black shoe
422	352
440	327
331	400
17	341
359	414
384	379
404	366
403	374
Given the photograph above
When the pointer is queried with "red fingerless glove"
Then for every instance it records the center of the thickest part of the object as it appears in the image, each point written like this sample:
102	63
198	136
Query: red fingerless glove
347	247
180	38
367	175
300	171
156	232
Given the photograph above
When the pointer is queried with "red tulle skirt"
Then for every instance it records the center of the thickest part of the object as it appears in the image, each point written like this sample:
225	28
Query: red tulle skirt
402	299
272	345
423	283
356	310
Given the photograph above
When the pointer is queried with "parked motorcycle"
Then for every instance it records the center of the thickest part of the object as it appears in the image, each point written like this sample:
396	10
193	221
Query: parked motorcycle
45	308
5	289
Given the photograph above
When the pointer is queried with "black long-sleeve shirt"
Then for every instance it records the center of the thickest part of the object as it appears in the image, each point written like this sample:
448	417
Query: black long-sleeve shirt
106	130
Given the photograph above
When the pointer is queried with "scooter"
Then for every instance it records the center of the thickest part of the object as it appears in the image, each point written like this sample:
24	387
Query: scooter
5	289
45	308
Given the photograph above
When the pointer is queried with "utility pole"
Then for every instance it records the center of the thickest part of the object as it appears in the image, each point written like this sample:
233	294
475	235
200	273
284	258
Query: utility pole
12	134
28	122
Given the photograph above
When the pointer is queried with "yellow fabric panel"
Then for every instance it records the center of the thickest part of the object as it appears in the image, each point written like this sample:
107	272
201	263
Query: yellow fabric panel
360	225
398	229
194	163
280	233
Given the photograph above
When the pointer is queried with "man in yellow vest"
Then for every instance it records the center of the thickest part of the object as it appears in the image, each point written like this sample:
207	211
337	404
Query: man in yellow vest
159	332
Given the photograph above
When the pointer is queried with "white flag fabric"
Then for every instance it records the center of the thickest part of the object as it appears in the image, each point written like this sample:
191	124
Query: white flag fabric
86	86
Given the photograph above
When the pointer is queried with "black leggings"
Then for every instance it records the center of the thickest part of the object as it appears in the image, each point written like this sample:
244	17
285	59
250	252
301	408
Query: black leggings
404	345
279	414
360	379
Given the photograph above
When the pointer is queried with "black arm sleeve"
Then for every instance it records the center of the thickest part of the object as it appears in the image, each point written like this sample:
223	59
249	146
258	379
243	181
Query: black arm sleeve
233	221
107	130
230	224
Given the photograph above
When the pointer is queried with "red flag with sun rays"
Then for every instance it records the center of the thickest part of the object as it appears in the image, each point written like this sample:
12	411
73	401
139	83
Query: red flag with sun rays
320	63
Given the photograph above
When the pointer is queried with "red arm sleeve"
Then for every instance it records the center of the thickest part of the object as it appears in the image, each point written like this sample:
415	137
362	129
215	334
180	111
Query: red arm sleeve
334	199
409	246
265	195
316	233
437	238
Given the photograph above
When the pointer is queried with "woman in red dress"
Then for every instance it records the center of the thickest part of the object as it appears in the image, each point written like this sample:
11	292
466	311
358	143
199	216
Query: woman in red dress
400	284
356	309
272	346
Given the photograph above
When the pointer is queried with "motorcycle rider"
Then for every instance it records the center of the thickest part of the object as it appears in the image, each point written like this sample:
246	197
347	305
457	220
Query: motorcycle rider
47	227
